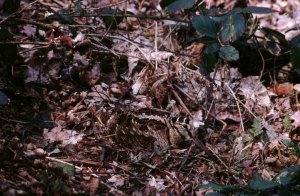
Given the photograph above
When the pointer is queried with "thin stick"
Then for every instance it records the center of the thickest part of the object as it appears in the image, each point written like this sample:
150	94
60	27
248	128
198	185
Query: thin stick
238	105
181	103
18	12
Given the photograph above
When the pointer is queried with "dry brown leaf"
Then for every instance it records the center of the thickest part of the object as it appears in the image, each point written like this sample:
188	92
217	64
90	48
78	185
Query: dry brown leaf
283	89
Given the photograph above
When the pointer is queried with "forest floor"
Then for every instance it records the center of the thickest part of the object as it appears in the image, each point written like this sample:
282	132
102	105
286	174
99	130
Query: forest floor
75	86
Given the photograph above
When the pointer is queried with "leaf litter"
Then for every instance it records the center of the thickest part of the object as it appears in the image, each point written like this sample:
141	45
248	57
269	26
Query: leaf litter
81	84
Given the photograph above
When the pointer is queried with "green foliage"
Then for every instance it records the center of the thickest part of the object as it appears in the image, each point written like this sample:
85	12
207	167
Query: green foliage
233	27
256	128
294	147
285	183
257	10
258	184
222	30
226	29
54	182
229	53
287	123
206	26
180	4
66	168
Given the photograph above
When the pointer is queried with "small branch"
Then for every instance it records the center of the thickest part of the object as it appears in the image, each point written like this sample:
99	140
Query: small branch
181	102
18	42
18	12
13	120
129	16
48	26
92	174
238	106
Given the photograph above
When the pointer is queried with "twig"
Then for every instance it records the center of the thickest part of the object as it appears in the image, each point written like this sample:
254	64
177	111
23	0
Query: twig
183	92
114	165
129	16
92	174
238	106
24	43
222	162
155	46
185	158
18	12
33	22
181	102
262	58
70	164
129	41
13	120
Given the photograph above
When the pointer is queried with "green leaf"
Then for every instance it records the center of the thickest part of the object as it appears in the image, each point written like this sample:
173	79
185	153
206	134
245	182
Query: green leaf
205	25
212	186
180	4
256	128
295	51
229	53
289	176
261	185
4	100
111	17
223	189
274	34
258	10
207	64
295	149
232	28
165	3
214	194
211	48
67	169
287	123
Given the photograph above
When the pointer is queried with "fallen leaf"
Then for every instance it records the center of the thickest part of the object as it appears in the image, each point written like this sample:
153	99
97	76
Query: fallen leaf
29	30
283	89
117	180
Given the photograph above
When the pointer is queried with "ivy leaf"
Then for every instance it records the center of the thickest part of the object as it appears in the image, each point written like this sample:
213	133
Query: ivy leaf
214	194
295	51
207	64
212	186
229	53
232	28
289	176
258	10
165	3
257	183
223	188
205	25
211	48
180	4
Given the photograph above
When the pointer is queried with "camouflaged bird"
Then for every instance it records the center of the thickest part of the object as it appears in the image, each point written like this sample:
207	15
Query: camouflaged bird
147	128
